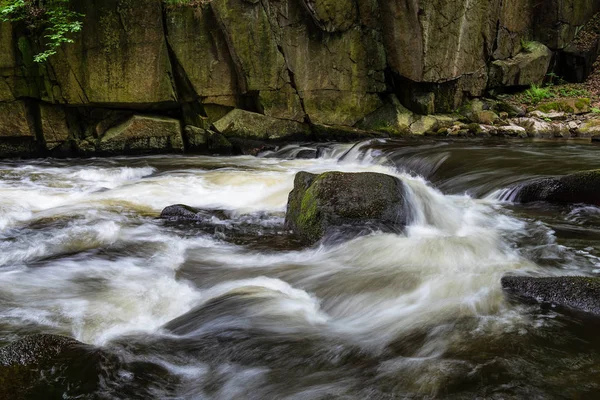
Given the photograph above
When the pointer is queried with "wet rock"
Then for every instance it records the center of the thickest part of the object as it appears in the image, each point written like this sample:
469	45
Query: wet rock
181	212
323	204
34	349
250	147
306	154
248	125
569	292
142	134
56	367
32	367
580	187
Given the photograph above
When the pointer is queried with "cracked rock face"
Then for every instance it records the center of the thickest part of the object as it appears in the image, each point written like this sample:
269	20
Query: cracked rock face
120	57
332	15
323	63
433	40
526	68
556	22
260	66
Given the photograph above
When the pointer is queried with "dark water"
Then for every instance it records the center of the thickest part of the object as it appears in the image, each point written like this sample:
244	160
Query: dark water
233	307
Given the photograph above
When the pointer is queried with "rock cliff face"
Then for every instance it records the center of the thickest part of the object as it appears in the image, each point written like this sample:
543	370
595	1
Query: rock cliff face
323	64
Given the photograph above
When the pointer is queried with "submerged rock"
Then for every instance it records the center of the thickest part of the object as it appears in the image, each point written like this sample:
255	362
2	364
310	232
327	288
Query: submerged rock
322	204
22	364
181	212
580	187
56	367
34	349
570	292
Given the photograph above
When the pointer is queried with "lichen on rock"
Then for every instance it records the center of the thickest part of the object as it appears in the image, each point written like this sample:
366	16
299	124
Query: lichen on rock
331	202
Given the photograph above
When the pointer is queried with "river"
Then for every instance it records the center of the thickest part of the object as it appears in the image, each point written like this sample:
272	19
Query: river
234	307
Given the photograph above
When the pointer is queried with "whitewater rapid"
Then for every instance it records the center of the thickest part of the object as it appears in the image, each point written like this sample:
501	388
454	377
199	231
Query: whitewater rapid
83	253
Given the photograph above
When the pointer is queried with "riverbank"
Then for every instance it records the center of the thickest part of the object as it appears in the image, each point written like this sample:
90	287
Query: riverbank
244	132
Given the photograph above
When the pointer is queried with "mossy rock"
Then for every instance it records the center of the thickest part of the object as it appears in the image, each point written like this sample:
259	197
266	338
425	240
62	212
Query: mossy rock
571	293
571	105
248	125
485	117
474	128
323	205
424	124
391	118
143	134
526	68
580	187
591	127
332	15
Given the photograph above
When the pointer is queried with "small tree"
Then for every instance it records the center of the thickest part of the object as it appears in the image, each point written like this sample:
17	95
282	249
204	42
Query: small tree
49	19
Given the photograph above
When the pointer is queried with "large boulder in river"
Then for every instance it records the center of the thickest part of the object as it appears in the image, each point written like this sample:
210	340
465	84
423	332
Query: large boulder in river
580	187
322	204
576	293
22	363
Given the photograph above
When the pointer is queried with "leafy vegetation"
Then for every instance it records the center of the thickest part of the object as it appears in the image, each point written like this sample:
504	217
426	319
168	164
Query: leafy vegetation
50	20
536	94
527	45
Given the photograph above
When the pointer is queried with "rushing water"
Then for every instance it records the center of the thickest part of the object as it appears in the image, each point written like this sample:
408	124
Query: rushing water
233	307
